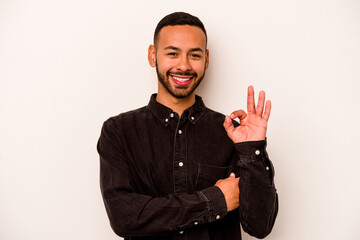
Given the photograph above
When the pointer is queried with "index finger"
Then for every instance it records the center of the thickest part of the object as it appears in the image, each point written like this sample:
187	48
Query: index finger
250	100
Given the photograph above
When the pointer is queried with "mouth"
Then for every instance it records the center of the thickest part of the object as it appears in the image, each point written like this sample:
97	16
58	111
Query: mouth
181	80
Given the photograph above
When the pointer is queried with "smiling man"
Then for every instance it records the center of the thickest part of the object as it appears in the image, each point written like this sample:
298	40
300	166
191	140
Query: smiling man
181	58
175	169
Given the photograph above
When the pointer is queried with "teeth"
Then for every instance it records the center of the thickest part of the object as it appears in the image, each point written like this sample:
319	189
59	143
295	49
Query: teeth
181	79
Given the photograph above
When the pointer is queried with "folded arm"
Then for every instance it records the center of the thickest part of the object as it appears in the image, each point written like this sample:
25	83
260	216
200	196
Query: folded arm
133	213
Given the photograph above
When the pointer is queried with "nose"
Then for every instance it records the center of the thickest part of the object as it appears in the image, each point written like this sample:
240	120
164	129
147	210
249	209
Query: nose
184	64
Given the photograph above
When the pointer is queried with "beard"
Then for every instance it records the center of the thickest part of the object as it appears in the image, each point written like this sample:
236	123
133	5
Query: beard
179	91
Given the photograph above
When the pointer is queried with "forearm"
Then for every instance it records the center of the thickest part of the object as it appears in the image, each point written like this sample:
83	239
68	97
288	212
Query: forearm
258	197
134	214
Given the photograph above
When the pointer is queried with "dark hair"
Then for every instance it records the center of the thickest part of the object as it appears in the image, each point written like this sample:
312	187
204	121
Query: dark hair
178	18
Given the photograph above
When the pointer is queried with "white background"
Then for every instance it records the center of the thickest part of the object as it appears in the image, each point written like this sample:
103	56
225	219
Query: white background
66	66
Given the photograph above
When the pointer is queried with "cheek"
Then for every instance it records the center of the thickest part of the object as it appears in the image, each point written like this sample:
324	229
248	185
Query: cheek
199	67
165	65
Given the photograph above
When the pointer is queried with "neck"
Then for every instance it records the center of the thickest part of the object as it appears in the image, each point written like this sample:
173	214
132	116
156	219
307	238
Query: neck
178	105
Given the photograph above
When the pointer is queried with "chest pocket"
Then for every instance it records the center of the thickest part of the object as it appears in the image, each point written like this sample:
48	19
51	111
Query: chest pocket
208	175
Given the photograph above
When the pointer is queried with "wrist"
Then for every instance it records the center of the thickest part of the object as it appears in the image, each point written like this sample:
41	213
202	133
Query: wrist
251	148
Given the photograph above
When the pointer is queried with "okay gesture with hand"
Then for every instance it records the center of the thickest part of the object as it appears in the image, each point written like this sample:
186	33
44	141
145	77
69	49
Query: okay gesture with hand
252	125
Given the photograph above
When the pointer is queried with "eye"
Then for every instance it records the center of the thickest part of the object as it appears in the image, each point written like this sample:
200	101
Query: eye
194	55
172	54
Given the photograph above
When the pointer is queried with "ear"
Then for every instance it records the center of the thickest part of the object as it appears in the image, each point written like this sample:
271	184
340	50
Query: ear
207	58
152	55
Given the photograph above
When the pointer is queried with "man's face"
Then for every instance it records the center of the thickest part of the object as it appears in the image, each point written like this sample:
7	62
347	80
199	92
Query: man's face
180	57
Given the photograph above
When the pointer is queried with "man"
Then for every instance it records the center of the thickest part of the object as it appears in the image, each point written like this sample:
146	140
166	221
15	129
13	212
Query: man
175	169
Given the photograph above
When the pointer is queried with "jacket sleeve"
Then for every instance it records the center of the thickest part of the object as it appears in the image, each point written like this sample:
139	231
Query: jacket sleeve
258	198
132	213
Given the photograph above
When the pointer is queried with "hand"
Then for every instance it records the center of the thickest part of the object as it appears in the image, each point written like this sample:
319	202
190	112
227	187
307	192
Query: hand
252	125
230	189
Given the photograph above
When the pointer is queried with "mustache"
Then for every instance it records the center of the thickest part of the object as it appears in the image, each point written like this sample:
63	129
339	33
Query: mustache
182	73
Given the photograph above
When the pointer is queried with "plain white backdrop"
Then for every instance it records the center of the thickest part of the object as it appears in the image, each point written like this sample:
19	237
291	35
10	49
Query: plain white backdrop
66	66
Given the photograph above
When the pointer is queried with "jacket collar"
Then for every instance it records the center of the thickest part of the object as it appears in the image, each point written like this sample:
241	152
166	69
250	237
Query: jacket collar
165	114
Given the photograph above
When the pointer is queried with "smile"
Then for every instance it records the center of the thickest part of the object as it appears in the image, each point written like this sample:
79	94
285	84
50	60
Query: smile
181	80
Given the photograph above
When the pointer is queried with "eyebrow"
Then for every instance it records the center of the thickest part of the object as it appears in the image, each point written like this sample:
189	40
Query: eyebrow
178	49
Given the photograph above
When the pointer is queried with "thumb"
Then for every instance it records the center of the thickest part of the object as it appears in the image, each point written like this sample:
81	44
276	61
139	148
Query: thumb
228	125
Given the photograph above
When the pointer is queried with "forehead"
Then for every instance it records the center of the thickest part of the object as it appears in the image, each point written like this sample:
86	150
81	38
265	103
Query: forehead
182	36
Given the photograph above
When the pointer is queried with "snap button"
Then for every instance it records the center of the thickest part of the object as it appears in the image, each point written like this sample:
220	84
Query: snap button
217	217
196	223
181	232
180	132
171	115
192	118
257	152
267	168
166	120
181	164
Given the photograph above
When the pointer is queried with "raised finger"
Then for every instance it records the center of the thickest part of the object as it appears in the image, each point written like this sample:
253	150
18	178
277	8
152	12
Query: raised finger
250	100
267	110
260	104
